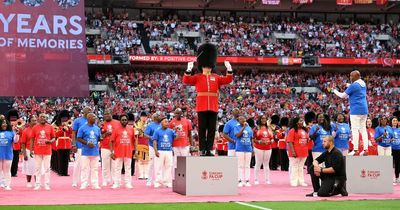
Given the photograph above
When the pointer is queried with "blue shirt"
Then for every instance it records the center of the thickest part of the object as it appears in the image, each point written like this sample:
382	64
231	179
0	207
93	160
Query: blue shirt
229	130
79	122
342	135
6	141
150	129
385	140
164	139
243	143
91	134
396	139
358	98
321	134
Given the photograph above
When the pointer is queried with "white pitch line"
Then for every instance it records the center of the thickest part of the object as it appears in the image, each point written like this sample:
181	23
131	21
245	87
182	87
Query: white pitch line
253	206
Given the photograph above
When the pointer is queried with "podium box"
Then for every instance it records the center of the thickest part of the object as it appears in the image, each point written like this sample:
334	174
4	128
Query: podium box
369	174
205	176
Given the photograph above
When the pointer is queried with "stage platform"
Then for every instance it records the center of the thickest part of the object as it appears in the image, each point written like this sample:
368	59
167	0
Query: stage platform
63	193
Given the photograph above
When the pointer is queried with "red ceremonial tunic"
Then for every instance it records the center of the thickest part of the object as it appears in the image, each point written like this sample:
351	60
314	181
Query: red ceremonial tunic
207	87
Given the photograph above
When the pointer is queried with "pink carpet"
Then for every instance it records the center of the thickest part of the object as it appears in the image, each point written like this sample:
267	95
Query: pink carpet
62	193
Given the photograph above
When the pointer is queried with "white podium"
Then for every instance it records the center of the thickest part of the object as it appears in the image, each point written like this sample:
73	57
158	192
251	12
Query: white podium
369	174
196	176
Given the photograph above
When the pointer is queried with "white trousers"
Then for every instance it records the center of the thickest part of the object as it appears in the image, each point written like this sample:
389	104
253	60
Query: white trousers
296	170
143	168
76	176
163	167
90	166
42	161
231	153
28	166
106	166
359	125
117	170
262	158
180	151
384	151
150	172
244	159
5	171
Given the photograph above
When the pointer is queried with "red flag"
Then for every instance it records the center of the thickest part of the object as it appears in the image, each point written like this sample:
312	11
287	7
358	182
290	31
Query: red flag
344	2
362	1
302	1
381	2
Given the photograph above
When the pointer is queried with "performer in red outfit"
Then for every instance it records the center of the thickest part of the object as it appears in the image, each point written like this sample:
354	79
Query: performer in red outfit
207	85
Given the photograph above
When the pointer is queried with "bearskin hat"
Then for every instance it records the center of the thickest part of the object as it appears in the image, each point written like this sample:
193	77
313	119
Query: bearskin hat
206	56
284	121
309	117
275	119
12	115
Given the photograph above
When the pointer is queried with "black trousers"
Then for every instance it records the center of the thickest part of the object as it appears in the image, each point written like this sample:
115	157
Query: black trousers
396	162
54	161
63	161
222	153
309	160
133	164
274	161
207	128
14	163
329	186
284	159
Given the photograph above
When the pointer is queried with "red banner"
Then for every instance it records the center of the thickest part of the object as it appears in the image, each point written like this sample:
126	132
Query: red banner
264	60
302	1
362	1
381	2
271	2
344	2
44	48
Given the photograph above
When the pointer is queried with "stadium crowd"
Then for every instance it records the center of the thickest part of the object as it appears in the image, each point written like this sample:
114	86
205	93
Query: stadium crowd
245	37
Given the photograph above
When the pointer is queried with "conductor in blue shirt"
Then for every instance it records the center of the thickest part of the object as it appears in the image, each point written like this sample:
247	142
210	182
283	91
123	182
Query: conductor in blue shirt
357	94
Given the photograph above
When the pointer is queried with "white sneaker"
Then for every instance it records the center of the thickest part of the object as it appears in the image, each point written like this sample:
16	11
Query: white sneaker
96	187
47	187
303	184
294	185
352	153
168	185
83	186
74	185
240	184
267	182
115	186
37	187
29	185
2	185
148	184
128	186
256	182
157	185
361	153
104	184
247	184
8	188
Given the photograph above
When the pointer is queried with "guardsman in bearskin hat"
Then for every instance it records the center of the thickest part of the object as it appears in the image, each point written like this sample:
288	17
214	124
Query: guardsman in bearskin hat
274	160
207	85
64	141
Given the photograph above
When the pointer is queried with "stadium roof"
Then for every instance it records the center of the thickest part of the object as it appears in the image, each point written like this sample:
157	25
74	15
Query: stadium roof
247	5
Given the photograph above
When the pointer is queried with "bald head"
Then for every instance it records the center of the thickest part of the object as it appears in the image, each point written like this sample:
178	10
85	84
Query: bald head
354	76
86	111
91	118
